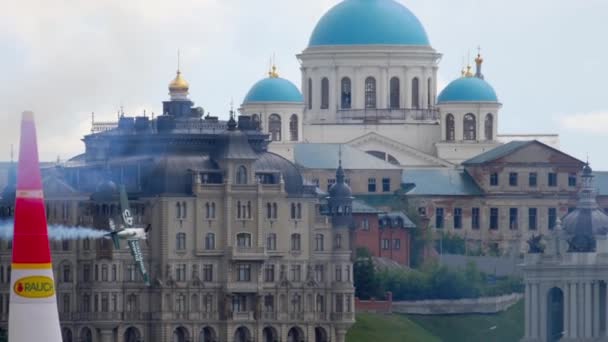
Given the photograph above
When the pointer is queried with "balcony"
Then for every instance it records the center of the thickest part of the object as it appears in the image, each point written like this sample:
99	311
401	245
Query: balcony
243	316
269	316
242	287
377	115
296	316
343	316
203	316
247	253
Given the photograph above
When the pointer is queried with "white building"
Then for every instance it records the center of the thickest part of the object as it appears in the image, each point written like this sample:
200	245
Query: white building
369	79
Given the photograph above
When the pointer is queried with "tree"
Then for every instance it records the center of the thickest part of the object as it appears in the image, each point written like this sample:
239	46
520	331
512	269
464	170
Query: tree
364	274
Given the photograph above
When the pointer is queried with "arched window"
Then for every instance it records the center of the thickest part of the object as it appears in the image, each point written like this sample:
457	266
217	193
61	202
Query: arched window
324	93
181	241
395	92
299	210
293	211
180	303
293	128
469	127
132	303
450	133
178	210
184	209
295	242
86	335
345	101
310	93
370	92
489	127
319	242
210	241
268	210
243	240
66	334
274	127
256	120
271	242
207	210
415	93
429	85
241	175
274	211
338	241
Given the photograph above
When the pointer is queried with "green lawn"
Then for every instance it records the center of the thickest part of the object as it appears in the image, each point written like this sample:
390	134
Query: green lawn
503	327
387	328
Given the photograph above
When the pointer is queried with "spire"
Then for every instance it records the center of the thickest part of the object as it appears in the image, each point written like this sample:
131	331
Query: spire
588	193
178	88
231	121
340	171
478	63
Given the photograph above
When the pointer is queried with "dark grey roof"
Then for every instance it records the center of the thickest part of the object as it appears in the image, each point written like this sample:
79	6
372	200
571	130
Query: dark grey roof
269	161
170	174
440	182
234	145
360	207
498	152
586	221
326	156
397	216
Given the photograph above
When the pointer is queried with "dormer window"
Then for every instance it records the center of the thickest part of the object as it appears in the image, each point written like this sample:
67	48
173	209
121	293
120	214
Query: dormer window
241	175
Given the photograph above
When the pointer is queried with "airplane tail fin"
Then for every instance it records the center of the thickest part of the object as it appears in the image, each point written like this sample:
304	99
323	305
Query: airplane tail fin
116	241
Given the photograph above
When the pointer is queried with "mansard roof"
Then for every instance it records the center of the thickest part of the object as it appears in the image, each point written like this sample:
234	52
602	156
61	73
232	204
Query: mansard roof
510	148
440	182
326	156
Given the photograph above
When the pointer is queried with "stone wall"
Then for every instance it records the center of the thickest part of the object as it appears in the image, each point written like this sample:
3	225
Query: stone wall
460	306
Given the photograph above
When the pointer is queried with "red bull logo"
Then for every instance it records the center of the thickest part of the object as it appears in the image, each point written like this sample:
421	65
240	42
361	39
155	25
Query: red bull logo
34	287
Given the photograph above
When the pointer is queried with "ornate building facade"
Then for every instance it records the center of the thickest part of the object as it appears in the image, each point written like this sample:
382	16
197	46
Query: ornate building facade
240	249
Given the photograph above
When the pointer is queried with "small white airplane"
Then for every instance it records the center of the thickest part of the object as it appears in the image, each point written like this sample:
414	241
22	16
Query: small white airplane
127	231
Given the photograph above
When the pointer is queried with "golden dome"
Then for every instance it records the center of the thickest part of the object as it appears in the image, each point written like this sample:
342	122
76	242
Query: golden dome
179	84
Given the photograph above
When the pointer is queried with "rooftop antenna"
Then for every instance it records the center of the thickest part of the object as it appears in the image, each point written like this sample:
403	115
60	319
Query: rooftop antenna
178	61
340	155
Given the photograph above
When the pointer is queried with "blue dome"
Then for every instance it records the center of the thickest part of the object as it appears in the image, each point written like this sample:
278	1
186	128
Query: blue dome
274	89
468	89
369	22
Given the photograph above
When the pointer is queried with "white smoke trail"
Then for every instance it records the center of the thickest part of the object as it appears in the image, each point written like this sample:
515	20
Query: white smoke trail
57	232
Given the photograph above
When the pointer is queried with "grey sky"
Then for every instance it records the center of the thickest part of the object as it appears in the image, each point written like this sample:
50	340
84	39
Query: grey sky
65	59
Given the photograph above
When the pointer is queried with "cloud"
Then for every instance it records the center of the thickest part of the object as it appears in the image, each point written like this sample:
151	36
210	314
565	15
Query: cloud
588	123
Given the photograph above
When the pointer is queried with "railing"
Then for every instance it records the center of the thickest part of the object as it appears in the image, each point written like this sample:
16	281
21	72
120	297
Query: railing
269	316
389	114
342	316
200	125
243	316
250	254
296	316
99	127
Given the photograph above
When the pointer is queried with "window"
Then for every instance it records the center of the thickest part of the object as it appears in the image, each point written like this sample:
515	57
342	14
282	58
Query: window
293	128
415	93
397	244
180	272
513	218
184	209
178	210
180	303
66	303
268	303
532	215
513	178
208	303
86	244
243	240
494	179
320	303
345	101
241	175
105	302
210	241
271	242
319	243
469	127
295	242
552	217
243	272
181	241
439	218
86	273
572	179
86	303
296	273
533	179
429	88
269	273
489	127
386	185
338	273
104	272
370	93
210	210
114	273
65	245
552	179
457	218
450	131
386	244
395	93
309	93
371	185
475	218
338	241
208	272
319	273
324	93
493	218
365	223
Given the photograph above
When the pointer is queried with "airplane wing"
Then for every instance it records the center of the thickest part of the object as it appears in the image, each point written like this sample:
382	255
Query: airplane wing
139	258
127	218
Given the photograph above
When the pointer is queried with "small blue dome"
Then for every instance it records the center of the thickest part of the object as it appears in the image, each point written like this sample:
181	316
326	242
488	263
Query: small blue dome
369	22
468	89
273	89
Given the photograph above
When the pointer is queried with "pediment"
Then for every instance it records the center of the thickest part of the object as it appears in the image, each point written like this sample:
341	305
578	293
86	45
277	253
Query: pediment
407	156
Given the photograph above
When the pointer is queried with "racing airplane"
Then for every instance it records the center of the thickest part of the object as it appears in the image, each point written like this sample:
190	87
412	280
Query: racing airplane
127	231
